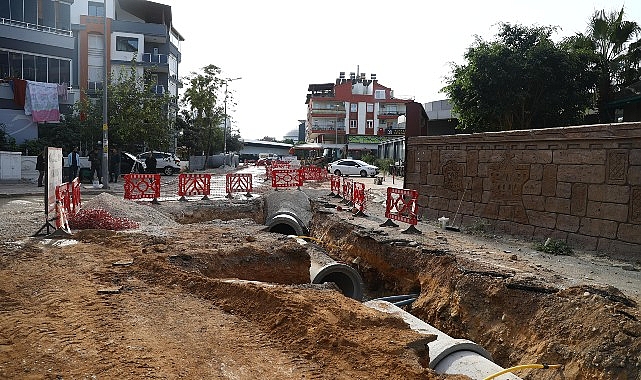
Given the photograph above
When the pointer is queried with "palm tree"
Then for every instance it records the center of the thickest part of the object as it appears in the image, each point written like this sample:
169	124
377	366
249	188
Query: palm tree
612	37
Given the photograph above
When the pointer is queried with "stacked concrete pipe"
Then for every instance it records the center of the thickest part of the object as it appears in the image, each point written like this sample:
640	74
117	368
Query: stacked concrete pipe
288	212
448	355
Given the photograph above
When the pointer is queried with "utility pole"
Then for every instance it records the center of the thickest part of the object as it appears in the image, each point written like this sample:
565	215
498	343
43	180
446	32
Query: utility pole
105	125
225	122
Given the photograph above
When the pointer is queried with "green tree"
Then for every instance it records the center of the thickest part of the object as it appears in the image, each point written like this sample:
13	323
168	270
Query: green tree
618	55
521	80
138	118
206	115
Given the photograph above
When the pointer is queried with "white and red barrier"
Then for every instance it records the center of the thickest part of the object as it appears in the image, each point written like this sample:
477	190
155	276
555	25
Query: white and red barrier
194	184
238	183
142	186
401	206
283	178
68	203
348	190
314	173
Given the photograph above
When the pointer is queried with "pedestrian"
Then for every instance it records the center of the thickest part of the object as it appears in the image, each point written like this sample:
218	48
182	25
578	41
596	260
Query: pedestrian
114	165
95	158
40	167
150	162
73	160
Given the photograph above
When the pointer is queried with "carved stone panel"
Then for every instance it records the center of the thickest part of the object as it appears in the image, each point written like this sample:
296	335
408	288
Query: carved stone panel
453	175
617	166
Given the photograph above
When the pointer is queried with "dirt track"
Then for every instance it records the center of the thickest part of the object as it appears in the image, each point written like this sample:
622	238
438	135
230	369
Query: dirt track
175	312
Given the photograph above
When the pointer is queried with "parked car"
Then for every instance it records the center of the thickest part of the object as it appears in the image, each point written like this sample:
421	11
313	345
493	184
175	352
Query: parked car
166	163
348	167
130	164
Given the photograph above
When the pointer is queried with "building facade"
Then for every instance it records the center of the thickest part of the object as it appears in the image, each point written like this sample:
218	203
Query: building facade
63	42
36	44
352	115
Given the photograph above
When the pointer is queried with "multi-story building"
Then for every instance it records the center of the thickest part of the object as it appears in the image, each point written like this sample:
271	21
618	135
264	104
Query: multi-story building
352	114
139	31
36	44
62	42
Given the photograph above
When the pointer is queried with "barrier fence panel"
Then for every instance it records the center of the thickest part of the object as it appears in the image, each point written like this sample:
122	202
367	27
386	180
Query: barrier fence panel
287	178
194	184
348	190
76	202
314	173
335	185
358	198
238	183
138	186
401	205
63	201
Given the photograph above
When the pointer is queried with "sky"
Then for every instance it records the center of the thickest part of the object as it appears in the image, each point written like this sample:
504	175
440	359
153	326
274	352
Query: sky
279	47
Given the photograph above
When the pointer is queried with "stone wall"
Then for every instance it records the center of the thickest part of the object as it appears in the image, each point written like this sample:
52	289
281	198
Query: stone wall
577	184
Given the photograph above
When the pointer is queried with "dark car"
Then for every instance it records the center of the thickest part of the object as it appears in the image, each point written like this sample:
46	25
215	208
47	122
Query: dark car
130	164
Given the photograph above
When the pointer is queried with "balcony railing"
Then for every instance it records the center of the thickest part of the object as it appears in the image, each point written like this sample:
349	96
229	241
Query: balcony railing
41	28
159	59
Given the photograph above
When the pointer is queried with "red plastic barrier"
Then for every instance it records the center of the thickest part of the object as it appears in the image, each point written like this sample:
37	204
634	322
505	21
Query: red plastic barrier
335	186
237	183
287	178
358	198
139	186
348	190
68	197
76	203
194	184
314	173
401	206
63	203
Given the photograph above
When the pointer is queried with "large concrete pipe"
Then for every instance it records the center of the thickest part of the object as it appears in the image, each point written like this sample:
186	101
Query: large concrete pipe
289	212
324	269
448	355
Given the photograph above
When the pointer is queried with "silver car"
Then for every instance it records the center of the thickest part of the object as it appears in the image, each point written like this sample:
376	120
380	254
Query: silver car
348	166
166	163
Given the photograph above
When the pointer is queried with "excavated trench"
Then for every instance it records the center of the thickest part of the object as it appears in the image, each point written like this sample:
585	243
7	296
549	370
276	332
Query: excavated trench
518	319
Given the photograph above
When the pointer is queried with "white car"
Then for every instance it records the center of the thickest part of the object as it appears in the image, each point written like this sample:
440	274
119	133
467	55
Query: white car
348	166
166	163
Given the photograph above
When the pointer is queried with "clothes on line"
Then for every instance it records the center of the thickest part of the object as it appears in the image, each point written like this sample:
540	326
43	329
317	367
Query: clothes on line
41	101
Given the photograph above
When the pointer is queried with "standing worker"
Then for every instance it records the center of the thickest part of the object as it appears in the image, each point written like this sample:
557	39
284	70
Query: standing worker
96	164
40	167
114	165
150	162
73	160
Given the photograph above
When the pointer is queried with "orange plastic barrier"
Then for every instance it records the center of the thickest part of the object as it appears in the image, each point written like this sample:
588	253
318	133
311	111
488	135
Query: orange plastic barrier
138	186
335	186
194	184
358	198
287	178
314	173
237	183
348	189
68	197
401	206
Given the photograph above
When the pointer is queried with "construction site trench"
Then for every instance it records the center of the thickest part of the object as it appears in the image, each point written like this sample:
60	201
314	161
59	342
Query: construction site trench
225	289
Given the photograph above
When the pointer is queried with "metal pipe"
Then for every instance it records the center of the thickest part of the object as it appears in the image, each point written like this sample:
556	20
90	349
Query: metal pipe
448	355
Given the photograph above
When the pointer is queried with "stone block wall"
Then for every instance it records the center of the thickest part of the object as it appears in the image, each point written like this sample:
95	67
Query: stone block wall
581	185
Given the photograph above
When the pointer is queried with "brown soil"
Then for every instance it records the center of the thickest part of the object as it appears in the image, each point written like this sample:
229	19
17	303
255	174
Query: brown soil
218	297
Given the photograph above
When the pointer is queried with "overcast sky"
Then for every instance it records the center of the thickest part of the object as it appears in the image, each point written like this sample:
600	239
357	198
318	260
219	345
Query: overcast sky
279	47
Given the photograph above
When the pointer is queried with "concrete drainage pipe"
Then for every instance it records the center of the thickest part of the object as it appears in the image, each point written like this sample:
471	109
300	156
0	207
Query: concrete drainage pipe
324	269
448	355
289	212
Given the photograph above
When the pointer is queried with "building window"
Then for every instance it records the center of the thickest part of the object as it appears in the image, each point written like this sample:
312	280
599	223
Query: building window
96	9
369	124
353	107
128	44
379	94
33	67
370	107
353	124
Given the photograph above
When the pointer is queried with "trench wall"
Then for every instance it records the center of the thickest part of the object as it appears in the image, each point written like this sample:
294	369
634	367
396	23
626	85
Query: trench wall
581	185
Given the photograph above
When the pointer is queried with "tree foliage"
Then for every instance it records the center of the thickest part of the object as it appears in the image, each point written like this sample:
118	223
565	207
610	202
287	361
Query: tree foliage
138	118
617	55
521	80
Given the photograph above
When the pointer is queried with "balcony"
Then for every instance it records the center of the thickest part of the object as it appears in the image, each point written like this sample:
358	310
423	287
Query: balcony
40	28
156	59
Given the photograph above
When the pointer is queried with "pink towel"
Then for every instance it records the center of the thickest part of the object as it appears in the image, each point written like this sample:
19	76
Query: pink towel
41	101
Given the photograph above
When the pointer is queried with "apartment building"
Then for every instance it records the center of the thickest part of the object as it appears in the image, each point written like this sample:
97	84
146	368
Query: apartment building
62	42
138	31
353	114
36	44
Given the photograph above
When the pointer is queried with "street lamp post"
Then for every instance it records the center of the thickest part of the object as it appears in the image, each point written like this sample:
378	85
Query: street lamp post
105	125
225	122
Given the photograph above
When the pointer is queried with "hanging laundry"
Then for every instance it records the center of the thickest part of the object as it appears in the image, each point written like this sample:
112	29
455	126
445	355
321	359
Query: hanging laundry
62	91
19	87
41	101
